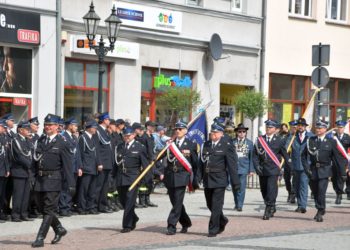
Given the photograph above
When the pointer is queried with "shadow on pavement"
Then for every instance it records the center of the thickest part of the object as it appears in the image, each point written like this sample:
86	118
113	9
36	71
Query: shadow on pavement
15	242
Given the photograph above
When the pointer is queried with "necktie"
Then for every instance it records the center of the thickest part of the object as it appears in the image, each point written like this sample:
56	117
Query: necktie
268	139
47	140
127	145
178	143
301	137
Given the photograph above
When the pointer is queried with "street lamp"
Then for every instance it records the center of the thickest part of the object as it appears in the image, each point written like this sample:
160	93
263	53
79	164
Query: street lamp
91	21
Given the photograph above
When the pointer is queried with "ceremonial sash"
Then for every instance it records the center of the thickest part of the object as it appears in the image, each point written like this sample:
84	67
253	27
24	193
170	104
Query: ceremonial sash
341	149
269	151
184	162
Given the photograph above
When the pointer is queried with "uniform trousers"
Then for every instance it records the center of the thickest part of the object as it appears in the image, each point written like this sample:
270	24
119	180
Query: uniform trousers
215	202
2	192
178	212
87	193
269	189
102	189
20	197
288	179
240	195
65	200
319	189
48	202
301	188
337	181
128	200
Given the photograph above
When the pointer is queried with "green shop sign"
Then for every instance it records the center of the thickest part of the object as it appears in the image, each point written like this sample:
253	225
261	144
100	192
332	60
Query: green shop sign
172	81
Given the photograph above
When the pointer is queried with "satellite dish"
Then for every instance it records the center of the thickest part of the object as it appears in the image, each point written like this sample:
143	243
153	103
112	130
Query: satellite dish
215	47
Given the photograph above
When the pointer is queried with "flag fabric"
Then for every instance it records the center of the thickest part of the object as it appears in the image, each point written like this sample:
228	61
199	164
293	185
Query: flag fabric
309	111
197	130
184	162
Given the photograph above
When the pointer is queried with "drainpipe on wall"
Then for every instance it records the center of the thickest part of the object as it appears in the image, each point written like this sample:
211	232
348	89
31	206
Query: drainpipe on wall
58	105
262	53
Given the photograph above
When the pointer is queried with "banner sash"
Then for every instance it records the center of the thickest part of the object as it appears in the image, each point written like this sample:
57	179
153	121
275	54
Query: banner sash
269	152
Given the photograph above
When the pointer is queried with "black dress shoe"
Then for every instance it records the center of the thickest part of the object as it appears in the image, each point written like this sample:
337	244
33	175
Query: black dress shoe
211	235
134	224
93	212
16	220
303	210
338	199
298	210
60	232
170	232
125	230
26	219
184	230
222	228
239	209
33	216
348	196
105	211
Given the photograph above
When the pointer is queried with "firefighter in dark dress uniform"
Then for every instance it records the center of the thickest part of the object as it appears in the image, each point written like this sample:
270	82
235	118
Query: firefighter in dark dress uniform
131	159
21	154
266	168
317	158
337	180
4	167
218	162
176	178
52	161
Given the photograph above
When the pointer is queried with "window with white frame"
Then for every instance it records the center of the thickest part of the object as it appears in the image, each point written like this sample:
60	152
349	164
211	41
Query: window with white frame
337	10
300	7
236	5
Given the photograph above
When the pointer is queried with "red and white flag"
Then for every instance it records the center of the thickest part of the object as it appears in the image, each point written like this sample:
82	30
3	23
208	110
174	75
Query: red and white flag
184	162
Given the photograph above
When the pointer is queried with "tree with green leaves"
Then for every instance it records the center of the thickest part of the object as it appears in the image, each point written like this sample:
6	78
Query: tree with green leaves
252	104
179	101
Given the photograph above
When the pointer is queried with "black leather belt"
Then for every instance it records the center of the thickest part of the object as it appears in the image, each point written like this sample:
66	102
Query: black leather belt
321	165
47	172
177	169
214	170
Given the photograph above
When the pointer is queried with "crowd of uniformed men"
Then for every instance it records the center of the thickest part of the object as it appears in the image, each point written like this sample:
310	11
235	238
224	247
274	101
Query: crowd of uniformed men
64	171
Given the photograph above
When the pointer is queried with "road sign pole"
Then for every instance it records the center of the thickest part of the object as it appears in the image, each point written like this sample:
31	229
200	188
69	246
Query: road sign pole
319	81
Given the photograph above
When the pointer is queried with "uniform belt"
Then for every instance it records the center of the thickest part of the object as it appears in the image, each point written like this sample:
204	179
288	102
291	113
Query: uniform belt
177	169
321	165
214	170
125	170
47	172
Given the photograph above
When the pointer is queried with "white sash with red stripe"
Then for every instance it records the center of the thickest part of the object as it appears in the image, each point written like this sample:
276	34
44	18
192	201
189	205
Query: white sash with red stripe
269	152
184	162
341	148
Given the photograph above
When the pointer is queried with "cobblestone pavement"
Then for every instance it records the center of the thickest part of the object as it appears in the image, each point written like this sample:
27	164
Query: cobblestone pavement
246	230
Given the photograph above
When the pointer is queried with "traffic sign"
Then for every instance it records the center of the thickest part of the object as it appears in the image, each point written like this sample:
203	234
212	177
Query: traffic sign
320	77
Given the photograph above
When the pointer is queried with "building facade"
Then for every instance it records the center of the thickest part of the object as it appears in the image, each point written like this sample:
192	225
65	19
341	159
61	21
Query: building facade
292	27
27	58
161	43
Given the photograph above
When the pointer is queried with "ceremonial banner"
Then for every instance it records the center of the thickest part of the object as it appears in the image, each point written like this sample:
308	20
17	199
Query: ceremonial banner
197	131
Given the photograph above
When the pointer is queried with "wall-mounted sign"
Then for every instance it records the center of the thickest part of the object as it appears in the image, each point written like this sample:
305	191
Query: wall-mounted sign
148	17
172	81
20	101
19	27
80	44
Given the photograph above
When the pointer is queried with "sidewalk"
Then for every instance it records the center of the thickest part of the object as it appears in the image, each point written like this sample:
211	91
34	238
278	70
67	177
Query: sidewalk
246	230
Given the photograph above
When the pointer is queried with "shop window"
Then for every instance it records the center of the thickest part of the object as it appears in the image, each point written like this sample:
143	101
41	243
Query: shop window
15	82
15	70
344	91
300	7
81	89
299	88
342	113
74	74
331	86
337	10
281	87
92	75
236	5
154	83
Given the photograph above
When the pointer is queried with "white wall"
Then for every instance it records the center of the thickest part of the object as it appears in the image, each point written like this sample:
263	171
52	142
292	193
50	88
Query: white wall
289	41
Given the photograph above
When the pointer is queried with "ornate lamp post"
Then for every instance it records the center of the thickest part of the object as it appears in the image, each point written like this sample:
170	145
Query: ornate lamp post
91	20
